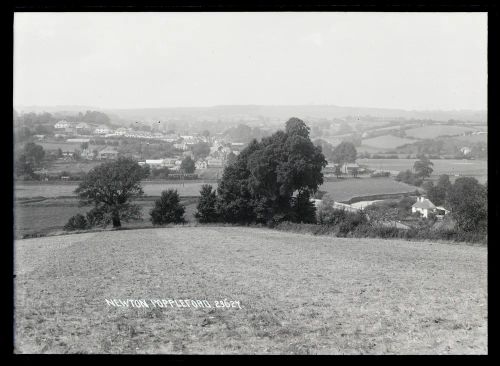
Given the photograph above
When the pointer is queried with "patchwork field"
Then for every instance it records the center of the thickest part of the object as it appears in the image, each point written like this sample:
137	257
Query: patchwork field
345	189
58	189
51	215
452	167
298	294
385	142
429	132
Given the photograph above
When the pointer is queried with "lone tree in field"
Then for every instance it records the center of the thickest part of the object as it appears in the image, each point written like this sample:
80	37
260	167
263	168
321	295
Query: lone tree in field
345	152
110	187
423	167
187	165
167	209
206	211
272	180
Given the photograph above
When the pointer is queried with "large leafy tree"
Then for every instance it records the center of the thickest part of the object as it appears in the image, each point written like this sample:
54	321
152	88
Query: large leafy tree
269	179
110	187
187	165
205	211
468	201
345	152
423	167
167	209
200	150
34	153
439	192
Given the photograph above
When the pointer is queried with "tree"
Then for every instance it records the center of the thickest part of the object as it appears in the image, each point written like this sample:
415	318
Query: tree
147	170
343	153
77	222
206	210
59	153
303	208
34	153
438	193
423	167
200	150
187	165
338	171
167	209
24	168
326	212
259	185
468	201
408	177
109	187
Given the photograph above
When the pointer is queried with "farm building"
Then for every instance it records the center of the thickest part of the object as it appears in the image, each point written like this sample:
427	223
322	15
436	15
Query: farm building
62	124
155	163
424	206
348	168
107	153
201	164
102	130
215	163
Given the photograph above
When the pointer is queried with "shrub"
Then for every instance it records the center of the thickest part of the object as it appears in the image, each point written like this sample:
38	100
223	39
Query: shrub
77	222
167	209
206	211
380	174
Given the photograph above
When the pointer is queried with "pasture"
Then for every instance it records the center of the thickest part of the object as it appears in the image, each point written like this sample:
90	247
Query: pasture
385	142
50	215
345	189
299	294
452	167
62	189
433	131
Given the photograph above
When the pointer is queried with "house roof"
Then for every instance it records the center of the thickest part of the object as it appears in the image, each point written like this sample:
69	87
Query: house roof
425	203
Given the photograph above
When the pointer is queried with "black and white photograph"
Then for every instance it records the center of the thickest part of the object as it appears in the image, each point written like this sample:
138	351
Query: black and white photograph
250	182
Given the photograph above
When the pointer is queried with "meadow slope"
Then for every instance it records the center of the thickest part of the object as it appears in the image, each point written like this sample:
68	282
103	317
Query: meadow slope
299	293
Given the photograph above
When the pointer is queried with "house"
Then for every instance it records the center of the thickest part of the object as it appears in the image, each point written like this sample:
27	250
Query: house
107	153
348	168
63	124
169	162
424	206
201	164
102	130
121	131
87	154
155	163
181	146
466	150
215	163
78	140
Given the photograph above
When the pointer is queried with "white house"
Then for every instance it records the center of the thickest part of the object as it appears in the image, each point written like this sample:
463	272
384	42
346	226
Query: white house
215	163
62	124
424	206
181	146
102	130
201	164
155	163
465	150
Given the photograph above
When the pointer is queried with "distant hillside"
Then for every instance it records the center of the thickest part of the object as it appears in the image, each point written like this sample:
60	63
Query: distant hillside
263	112
284	112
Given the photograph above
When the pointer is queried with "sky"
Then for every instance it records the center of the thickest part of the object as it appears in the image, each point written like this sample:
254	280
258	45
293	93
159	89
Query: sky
413	61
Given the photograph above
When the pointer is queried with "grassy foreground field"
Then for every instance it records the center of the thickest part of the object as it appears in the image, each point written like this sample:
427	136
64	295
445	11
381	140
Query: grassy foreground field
298	293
